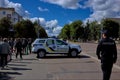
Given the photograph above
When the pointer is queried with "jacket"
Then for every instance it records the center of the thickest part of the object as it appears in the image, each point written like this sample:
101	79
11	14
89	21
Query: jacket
106	50
4	48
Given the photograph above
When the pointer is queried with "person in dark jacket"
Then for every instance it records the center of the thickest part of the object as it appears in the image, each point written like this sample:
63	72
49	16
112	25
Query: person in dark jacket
4	52
18	47
107	53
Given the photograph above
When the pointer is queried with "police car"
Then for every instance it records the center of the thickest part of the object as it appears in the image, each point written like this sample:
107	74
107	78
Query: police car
54	46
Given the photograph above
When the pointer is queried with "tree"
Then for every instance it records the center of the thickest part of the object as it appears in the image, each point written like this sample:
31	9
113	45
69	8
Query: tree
95	29
65	32
76	30
112	27
40	31
86	32
25	28
5	25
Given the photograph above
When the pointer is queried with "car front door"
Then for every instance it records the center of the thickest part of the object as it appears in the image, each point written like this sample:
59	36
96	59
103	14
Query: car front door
62	47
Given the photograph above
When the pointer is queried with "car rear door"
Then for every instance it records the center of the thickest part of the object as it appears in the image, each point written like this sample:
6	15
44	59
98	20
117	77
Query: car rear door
51	46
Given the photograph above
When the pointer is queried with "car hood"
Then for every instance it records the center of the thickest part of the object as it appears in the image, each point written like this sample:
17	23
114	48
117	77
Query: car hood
72	45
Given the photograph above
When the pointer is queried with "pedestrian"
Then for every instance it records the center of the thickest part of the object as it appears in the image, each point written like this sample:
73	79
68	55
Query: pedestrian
11	43
29	44
18	48
4	52
0	49
107	53
24	45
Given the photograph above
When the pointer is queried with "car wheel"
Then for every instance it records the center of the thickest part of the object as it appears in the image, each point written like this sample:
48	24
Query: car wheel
73	53
41	54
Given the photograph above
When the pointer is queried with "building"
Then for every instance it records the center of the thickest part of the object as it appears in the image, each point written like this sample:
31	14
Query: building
115	19
11	14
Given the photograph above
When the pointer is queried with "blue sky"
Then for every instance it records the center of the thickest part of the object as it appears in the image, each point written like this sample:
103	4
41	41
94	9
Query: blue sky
54	14
63	15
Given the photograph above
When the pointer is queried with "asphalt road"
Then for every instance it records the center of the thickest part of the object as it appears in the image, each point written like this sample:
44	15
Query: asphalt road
59	67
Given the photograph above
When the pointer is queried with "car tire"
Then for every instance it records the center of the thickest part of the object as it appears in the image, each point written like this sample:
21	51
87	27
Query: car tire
41	54
73	53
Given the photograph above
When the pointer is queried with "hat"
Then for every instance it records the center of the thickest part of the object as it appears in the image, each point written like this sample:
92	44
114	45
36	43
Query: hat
105	32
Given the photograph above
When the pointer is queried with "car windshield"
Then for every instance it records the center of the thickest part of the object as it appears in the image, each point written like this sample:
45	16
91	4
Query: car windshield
59	42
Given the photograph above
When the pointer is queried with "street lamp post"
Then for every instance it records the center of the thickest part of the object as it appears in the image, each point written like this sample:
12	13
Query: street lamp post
11	31
38	33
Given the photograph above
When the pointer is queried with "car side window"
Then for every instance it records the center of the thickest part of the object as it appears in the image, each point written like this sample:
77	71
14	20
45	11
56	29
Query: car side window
41	41
59	42
50	42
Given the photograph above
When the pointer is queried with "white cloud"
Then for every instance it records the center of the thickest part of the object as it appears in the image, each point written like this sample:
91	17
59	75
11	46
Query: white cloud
57	30
103	9
39	20
42	9
100	8
69	4
52	28
52	23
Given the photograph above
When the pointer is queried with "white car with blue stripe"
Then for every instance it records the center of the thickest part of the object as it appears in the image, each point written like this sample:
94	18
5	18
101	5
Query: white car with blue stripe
54	46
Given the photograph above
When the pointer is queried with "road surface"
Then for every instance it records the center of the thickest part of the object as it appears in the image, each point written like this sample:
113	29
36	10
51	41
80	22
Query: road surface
59	67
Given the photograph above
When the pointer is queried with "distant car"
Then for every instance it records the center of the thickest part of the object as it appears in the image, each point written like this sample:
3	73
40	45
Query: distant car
54	46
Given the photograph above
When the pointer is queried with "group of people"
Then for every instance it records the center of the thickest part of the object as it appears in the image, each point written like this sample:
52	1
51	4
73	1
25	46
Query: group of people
9	46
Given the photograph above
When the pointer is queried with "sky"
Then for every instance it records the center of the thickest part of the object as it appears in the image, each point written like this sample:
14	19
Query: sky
54	14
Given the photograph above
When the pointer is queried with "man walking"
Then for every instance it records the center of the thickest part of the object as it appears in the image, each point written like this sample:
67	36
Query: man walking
18	47
4	52
107	53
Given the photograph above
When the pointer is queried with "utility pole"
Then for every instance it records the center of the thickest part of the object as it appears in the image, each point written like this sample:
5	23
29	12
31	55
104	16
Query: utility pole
38	28
101	30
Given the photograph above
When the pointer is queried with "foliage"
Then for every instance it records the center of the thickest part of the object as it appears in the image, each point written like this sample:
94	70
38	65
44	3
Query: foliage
5	25
25	28
112	27
95	30
65	32
76	29
86	32
72	31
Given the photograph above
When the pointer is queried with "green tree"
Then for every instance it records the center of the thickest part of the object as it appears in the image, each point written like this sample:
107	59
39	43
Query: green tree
65	32
5	25
86	35
112	27
25	28
76	30
95	30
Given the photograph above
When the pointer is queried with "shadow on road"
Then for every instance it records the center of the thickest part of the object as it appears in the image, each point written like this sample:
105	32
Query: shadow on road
12	69
5	75
16	64
64	56
83	56
18	69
